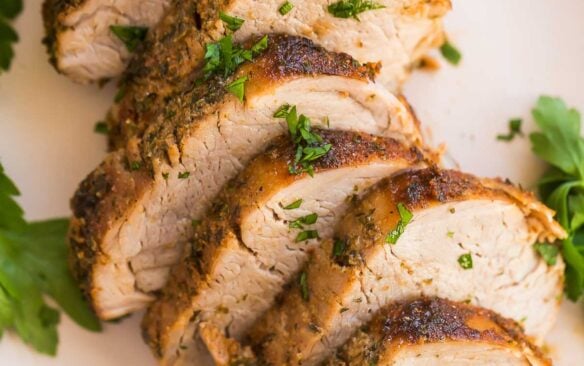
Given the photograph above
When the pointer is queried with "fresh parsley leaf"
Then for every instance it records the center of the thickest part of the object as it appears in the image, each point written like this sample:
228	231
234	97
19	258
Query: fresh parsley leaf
237	88
132	36
562	187
9	10
304	220
232	23
286	8
465	261
101	127
224	57
307	235
294	205
352	8
184	175
33	264
339	247
548	252
121	93
303	283
135	165
514	130
405	216
450	53
309	145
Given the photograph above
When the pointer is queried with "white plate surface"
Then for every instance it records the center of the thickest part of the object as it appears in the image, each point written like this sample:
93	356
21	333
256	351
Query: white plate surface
514	51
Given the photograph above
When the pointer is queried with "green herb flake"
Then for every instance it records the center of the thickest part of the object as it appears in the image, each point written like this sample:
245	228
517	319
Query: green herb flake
183	175
450	53
514	130
405	218
294	205
304	220
559	143
303	283
465	261
101	128
286	8
352	8
309	145
41	246
135	165
307	235
450	234
237	88
120	94
339	247
224	57
132	36
165	176
196	223
231	23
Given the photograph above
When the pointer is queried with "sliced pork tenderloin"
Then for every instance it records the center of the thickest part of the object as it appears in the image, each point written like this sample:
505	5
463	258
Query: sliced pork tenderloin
438	332
258	235
132	213
394	37
80	41
456	236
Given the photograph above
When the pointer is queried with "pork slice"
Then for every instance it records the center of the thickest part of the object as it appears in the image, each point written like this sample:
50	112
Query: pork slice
80	42
435	331
132	214
394	37
247	248
468	240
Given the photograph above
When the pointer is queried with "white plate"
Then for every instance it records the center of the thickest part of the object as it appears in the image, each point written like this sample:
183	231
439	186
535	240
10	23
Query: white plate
514	50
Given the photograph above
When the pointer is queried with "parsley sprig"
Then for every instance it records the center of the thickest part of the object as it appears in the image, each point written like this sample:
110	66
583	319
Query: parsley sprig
309	145
132	36
9	10
33	264
352	8
405	216
224	57
562	187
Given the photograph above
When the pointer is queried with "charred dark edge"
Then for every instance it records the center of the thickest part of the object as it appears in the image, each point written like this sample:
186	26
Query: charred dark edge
349	148
432	320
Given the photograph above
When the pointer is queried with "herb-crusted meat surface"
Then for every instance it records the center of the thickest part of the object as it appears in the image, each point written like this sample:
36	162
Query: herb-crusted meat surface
426	232
258	235
134	212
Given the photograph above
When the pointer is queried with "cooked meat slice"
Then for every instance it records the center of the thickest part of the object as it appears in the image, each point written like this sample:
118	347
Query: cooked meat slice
468	239
250	244
438	332
80	42
395	36
134	210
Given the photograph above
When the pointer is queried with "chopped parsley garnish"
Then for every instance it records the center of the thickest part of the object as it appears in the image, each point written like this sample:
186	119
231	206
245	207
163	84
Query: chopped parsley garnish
132	36
352	8
307	235
450	53
548	252
309	145
286	8
294	205
303	282
237	88
405	216
450	234
231	23
33	267
101	127
9	10
465	261
165	176
562	187
339	247
183	175
514	130
304	220
224	57
135	165
120	94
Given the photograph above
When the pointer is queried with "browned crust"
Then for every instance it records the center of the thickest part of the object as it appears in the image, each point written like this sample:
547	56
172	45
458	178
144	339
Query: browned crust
433	320
104	197
287	57
261	179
